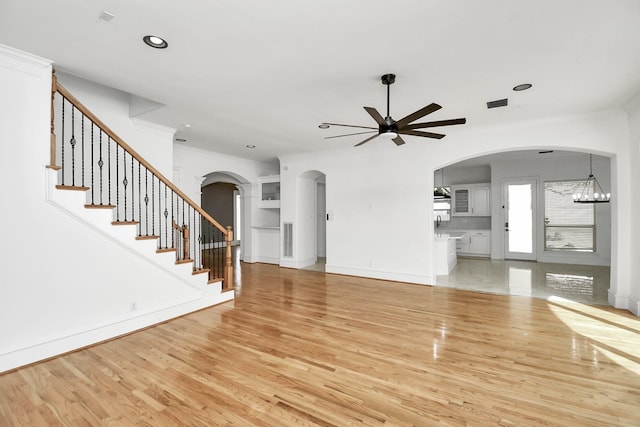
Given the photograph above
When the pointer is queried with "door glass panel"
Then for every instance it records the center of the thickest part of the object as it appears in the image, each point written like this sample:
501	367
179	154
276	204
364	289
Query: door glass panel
520	218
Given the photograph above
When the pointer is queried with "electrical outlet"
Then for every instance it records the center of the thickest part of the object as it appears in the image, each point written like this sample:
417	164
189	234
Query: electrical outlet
133	306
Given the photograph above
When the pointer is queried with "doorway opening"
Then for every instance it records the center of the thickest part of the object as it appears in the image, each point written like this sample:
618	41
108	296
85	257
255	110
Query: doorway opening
312	220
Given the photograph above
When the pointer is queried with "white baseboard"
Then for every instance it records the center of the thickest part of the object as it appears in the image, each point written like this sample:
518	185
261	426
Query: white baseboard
379	274
55	347
262	259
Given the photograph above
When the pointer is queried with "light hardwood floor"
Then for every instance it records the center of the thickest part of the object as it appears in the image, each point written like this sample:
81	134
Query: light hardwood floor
301	348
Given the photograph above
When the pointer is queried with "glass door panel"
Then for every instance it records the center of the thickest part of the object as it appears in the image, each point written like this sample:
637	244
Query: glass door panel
519	220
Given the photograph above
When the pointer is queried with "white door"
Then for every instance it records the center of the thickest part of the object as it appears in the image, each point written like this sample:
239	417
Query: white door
519	219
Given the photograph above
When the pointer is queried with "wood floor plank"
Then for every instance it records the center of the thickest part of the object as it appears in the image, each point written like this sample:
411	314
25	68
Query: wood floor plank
302	348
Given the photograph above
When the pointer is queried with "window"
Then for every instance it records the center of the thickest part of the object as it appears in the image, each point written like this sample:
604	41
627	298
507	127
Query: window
568	226
442	207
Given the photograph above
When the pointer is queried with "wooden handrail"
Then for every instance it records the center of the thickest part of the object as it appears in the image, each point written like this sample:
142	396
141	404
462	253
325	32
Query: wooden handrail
226	232
64	92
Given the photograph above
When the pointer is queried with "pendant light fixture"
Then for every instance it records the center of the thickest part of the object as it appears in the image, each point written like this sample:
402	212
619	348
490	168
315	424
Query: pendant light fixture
592	192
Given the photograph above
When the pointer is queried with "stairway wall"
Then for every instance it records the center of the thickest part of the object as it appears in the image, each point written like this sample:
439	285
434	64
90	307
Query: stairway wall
64	284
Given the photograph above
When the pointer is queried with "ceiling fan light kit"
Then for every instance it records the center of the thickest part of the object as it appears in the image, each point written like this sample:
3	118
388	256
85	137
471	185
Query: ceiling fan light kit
392	129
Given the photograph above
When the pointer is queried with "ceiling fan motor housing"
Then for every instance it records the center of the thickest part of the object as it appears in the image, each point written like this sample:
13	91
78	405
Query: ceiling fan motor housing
388	79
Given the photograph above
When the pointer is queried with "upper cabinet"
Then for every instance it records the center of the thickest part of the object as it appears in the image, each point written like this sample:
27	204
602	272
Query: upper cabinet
269	191
471	200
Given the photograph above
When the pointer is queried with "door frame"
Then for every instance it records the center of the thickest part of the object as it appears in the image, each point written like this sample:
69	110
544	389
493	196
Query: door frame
535	189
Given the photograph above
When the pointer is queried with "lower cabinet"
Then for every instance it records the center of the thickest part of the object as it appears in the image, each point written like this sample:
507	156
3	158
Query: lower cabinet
474	243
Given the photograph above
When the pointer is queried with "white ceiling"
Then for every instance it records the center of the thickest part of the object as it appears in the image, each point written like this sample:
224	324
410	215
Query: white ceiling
268	72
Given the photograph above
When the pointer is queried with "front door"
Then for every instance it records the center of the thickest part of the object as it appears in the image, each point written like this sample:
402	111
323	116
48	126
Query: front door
520	213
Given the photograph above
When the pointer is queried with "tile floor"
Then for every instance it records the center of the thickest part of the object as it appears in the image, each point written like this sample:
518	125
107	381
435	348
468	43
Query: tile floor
580	283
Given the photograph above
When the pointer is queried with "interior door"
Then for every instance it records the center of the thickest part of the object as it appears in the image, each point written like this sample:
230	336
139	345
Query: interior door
519	222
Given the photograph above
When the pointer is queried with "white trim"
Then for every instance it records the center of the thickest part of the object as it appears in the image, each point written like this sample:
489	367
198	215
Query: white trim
395	276
24	62
619	301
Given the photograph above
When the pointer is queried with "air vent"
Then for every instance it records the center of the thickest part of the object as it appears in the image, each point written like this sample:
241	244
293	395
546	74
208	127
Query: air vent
288	239
498	103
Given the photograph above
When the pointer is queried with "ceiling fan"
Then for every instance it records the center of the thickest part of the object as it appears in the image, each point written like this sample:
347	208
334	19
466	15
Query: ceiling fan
391	128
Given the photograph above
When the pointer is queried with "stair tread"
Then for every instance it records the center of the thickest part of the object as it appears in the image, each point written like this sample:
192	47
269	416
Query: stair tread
72	187
149	237
100	206
166	250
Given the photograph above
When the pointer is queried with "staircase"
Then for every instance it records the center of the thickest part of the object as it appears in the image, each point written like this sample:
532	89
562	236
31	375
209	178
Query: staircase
100	180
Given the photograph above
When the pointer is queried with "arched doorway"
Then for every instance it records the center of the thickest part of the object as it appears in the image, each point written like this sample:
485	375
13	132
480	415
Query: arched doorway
561	259
223	197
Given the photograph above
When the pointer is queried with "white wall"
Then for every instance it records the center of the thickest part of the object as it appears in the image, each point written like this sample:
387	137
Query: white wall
152	141
63	285
382	225
633	110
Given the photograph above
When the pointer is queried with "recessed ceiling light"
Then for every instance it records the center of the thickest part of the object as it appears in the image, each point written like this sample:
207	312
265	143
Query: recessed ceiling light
155	41
323	126
523	86
187	125
251	146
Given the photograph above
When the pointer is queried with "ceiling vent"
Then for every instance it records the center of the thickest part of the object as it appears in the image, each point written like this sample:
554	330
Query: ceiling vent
498	103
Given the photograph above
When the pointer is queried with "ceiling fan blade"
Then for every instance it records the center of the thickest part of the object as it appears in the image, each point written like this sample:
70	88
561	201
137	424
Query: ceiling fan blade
366	140
349	134
376	116
418	114
436	123
398	140
350	126
419	133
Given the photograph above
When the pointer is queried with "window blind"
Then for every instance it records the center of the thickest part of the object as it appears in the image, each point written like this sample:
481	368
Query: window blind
569	226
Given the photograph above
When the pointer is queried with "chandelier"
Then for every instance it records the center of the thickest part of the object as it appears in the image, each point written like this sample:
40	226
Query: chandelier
592	192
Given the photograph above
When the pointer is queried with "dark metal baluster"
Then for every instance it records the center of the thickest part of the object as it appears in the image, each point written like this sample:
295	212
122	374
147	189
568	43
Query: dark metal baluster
72	142
146	200
153	206
62	139
173	221
194	245
117	183
82	149
159	212
139	200
125	181
166	219
101	164
133	198
109	170
92	165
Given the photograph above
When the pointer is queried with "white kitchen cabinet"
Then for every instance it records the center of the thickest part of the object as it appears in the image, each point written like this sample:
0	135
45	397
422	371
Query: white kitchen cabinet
474	243
471	200
269	191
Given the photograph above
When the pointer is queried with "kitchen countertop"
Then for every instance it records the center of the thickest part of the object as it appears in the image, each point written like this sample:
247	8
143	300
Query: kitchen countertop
457	235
